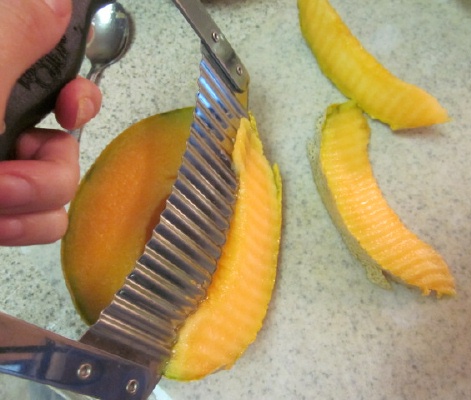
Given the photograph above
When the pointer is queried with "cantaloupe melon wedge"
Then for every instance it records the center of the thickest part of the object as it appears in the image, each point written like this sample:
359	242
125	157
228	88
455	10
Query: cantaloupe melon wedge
117	205
228	320
359	76
119	202
370	228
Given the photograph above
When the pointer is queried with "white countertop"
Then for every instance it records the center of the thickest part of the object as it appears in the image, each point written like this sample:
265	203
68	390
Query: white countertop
329	333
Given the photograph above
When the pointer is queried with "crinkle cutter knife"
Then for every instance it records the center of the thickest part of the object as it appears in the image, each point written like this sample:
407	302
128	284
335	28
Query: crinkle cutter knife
123	354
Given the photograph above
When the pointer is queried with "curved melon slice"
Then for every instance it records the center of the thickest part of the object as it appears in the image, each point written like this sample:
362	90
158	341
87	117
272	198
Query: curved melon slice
359	76
228	320
117	205
370	228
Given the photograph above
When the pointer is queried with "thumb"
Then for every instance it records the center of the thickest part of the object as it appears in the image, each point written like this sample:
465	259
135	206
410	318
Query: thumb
29	29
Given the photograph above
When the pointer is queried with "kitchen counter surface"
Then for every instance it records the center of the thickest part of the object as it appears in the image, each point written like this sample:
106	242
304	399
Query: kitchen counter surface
329	333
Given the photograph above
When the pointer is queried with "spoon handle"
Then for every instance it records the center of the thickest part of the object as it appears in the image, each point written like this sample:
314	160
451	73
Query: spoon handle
35	93
95	74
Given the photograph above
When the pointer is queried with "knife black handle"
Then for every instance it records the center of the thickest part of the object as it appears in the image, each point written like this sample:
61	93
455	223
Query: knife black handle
34	95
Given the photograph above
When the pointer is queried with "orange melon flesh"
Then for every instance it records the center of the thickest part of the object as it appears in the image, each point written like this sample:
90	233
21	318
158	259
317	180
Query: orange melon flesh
359	76
228	320
370	228
117	205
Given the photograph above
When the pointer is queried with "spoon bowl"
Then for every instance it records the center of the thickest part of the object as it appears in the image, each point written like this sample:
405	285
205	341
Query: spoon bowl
110	37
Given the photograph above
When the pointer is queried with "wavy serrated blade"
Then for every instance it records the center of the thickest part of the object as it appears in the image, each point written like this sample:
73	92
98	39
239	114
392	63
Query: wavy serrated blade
172	275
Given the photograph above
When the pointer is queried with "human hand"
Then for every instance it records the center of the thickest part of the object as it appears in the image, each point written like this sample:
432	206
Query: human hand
35	187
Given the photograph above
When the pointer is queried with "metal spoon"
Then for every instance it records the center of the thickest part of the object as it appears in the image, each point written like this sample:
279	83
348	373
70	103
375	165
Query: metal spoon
110	38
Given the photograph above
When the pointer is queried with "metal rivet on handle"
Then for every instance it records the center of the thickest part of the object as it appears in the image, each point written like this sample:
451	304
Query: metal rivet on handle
84	371
216	36
132	386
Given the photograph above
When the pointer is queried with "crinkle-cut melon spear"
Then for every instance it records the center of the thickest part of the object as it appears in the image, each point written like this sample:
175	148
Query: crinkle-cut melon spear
359	76
228	320
370	228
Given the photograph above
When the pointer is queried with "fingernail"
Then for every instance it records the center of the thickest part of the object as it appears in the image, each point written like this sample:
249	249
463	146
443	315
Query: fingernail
86	110
14	191
59	7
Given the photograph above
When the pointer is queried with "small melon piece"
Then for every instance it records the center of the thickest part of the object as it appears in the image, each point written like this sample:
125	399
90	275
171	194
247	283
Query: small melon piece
370	228
228	320
359	76
117	205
